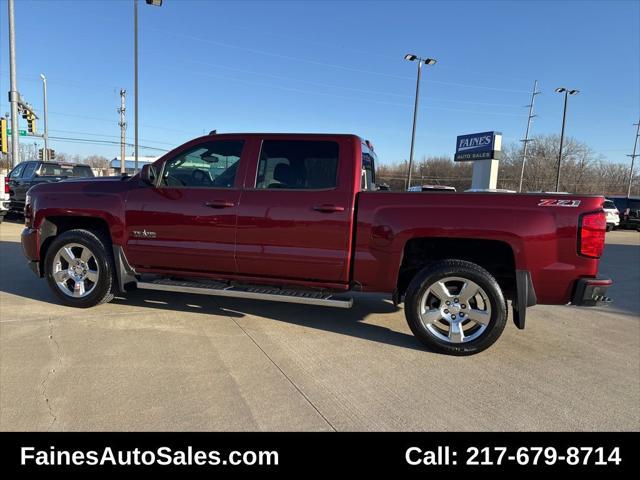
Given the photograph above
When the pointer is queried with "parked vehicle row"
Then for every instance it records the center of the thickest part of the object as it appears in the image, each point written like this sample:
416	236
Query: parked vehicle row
4	196
33	172
629	208
613	216
299	218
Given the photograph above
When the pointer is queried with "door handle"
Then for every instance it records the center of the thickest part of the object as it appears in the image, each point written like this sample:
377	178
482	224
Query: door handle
219	204
328	208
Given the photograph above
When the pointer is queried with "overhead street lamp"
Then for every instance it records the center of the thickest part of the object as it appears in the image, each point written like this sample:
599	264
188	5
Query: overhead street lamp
156	3
427	61
45	136
566	92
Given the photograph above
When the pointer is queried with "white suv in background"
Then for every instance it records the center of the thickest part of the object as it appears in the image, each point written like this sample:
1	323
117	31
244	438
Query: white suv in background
613	216
4	195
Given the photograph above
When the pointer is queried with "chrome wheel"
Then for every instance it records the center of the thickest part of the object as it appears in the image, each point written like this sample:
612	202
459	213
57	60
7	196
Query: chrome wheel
75	270
455	310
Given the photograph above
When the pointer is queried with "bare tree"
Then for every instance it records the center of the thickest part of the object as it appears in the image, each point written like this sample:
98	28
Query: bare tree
583	170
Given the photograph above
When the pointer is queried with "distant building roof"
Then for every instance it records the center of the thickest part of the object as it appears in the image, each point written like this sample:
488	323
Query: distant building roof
129	162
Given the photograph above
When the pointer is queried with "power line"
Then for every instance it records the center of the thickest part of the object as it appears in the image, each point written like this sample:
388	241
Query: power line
103	142
324	64
109	136
320	84
107	120
342	97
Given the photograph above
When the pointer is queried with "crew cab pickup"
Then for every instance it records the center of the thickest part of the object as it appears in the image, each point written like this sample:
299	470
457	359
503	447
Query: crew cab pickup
27	174
298	218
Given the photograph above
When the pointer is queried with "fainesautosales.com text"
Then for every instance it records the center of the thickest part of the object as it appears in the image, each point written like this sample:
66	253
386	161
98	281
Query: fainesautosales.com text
137	457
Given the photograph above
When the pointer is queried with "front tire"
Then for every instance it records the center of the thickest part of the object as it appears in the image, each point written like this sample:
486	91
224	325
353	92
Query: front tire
455	307
79	269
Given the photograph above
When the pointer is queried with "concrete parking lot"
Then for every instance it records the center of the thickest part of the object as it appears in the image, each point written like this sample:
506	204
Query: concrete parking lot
156	361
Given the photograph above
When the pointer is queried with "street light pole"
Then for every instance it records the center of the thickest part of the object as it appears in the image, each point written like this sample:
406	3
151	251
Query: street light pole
14	96
427	61
633	158
135	86
564	119
45	155
566	92
156	3
413	130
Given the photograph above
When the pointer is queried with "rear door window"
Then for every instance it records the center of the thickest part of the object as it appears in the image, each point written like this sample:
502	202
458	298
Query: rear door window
298	165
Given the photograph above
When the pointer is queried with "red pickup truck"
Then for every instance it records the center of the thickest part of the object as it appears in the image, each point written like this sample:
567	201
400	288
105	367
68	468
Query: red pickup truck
298	218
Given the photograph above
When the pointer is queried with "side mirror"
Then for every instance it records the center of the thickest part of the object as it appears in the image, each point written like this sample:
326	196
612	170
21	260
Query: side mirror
148	174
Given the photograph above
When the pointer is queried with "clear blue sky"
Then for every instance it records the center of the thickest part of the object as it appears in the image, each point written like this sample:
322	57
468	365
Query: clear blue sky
330	67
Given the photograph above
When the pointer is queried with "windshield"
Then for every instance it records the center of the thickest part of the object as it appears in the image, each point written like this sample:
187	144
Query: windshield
609	204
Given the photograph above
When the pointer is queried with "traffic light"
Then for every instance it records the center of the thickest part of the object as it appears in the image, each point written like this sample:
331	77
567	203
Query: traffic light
31	122
52	154
4	147
41	154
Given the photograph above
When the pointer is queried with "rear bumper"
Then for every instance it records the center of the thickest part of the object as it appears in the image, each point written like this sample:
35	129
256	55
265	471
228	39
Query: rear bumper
592	292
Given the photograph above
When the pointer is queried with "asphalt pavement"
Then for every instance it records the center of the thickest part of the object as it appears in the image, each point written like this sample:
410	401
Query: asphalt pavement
160	361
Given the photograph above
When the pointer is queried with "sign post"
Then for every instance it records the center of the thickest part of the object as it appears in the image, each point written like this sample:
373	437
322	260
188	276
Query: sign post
484	150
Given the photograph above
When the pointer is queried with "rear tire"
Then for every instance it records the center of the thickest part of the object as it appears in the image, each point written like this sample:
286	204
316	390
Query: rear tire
79	268
455	307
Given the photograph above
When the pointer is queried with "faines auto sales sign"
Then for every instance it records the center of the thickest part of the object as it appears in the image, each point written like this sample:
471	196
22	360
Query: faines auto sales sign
478	146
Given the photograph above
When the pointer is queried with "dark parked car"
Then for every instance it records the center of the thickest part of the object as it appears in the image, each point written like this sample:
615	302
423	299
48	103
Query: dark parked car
629	208
32	172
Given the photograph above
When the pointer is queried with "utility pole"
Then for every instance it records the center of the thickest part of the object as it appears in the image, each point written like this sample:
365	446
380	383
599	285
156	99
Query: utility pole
526	135
123	129
14	96
633	158
45	136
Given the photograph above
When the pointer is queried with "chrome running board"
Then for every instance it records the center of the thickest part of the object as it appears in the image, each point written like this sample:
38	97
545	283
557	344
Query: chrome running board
273	294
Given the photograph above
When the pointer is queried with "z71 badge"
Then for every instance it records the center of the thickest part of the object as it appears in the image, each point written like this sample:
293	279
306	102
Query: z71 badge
553	202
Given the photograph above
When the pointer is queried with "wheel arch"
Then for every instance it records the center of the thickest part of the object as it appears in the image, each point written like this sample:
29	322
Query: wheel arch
495	256
52	226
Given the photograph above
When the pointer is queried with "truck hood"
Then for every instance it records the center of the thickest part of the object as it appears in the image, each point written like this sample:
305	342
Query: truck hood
96	179
84	185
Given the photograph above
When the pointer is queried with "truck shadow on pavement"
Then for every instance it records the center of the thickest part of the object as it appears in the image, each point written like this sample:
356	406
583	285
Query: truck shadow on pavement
348	322
622	264
18	280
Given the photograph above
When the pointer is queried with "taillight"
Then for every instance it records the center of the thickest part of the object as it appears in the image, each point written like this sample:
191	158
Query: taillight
591	236
6	184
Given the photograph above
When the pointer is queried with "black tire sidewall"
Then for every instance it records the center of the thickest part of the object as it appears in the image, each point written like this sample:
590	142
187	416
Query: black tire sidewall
463	269
105	279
